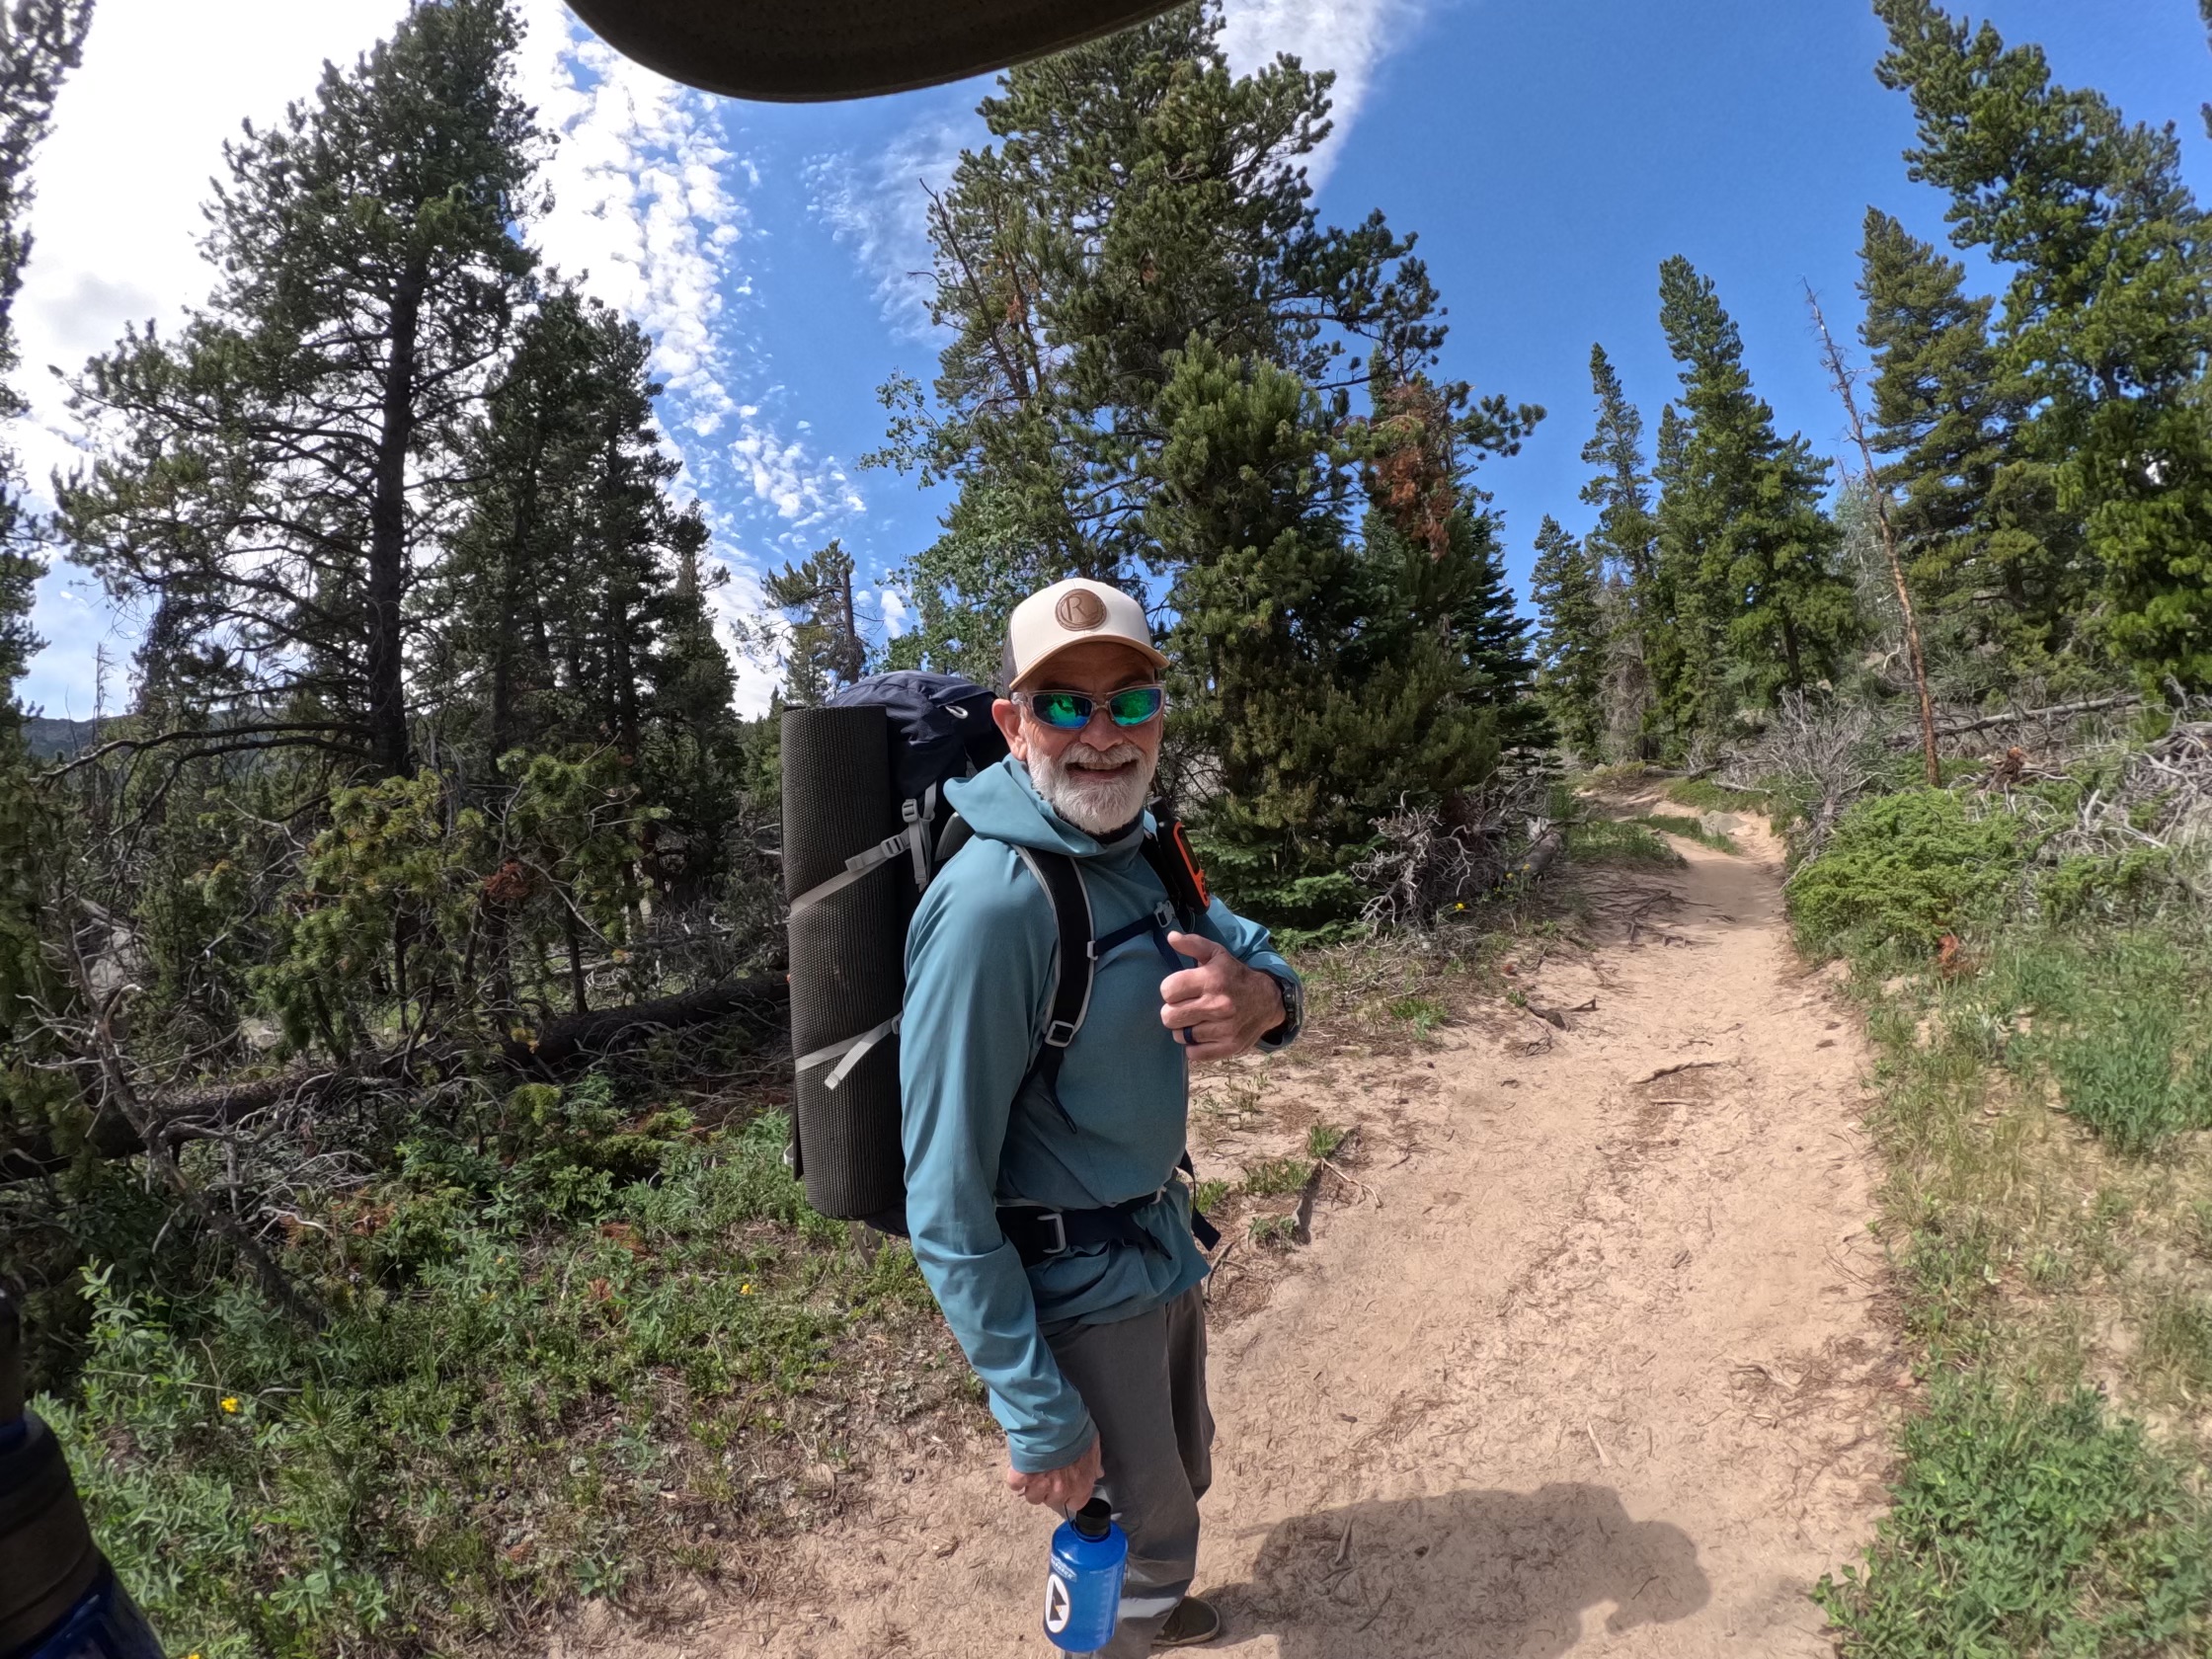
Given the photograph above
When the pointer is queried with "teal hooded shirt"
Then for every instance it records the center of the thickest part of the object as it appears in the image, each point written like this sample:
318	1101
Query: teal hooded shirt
979	974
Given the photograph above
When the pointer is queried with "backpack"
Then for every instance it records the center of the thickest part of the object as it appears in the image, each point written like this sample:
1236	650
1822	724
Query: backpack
866	829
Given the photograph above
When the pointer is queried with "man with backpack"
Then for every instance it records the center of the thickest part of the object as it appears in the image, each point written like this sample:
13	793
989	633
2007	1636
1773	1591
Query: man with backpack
1045	1140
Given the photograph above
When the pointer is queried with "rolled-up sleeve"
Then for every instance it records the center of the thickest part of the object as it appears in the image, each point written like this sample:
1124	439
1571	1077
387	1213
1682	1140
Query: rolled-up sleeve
979	970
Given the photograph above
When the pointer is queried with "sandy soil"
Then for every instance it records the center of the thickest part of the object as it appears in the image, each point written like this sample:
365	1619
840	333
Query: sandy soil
1594	1364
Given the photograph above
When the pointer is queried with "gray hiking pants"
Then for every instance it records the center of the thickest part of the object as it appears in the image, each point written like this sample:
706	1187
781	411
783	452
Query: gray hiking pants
1144	1381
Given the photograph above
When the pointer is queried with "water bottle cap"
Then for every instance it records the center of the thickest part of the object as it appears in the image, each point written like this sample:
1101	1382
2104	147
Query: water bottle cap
1095	1519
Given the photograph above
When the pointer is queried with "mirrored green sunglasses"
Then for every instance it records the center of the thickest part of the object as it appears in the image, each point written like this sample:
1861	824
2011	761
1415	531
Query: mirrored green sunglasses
1070	711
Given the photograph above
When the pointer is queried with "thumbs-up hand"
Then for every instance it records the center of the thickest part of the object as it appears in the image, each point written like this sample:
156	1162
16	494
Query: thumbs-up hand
1221	1006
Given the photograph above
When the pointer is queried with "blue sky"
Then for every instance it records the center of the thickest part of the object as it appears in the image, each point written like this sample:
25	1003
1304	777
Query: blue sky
1549	153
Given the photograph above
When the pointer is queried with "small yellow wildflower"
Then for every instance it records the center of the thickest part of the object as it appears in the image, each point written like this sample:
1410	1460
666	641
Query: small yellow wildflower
230	1403
745	1290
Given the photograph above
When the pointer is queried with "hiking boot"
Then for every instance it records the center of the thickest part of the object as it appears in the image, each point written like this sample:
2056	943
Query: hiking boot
1193	1621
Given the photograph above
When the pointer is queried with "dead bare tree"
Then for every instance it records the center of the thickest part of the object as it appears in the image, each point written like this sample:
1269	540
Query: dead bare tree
1826	755
1846	379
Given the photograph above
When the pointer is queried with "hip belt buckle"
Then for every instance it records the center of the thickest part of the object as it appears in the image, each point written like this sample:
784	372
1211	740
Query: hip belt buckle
1057	1224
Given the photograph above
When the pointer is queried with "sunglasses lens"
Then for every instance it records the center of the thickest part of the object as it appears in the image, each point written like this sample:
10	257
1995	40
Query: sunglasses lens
1134	707
1063	709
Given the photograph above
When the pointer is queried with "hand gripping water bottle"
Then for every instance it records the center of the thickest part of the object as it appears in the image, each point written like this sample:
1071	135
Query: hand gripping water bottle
1083	1589
58	1596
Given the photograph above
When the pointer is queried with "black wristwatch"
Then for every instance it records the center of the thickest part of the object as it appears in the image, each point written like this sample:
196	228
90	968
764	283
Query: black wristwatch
1294	1011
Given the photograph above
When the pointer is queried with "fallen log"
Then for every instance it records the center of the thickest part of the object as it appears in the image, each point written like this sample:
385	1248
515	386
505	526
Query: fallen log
563	1042
2018	717
559	1047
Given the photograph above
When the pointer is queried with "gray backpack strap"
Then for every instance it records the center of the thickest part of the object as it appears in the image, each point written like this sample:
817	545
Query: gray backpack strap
1062	882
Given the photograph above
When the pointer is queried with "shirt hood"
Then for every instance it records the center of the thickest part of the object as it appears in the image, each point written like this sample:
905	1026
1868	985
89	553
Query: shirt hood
1001	803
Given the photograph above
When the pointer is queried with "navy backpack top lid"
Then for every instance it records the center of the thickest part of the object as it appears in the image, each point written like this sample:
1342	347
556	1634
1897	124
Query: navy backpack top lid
940	725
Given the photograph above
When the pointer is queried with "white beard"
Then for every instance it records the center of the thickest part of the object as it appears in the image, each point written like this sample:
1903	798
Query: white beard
1093	802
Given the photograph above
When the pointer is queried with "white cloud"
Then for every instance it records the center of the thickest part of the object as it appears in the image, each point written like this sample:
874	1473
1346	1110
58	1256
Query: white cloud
880	210
138	133
643	209
648	199
1349	37
876	205
649	210
786	477
894	611
753	632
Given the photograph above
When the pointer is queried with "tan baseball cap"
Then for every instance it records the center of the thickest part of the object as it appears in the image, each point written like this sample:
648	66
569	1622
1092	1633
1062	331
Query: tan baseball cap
1073	612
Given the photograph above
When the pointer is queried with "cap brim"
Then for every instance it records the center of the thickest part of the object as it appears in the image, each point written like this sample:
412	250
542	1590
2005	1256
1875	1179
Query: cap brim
847	48
1028	676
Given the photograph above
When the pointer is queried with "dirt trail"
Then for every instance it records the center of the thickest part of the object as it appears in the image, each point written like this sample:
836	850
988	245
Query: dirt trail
1601	1374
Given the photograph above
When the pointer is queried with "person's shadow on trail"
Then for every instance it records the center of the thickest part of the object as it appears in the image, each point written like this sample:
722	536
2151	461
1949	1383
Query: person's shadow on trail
1468	1575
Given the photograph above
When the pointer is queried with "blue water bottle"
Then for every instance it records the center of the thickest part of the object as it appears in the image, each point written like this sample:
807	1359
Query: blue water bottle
1083	1589
58	1596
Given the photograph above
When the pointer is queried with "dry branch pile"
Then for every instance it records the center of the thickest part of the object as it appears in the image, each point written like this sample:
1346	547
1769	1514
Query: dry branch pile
1431	860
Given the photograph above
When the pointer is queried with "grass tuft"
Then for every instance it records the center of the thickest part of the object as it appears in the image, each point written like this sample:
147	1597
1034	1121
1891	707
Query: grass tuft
1276	1176
1691	829
1423	1013
1612	840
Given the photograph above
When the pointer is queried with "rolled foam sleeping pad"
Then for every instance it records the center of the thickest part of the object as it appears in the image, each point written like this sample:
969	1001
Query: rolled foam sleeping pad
847	955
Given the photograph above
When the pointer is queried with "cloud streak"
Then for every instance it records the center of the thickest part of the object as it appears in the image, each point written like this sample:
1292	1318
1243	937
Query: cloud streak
1353	38
649	210
879	208
875	205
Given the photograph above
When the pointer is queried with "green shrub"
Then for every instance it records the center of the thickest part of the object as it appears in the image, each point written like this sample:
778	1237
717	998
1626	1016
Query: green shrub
2029	1527
1323	1141
1423	1013
2132	1081
1906	868
2115	886
525	1359
1708	796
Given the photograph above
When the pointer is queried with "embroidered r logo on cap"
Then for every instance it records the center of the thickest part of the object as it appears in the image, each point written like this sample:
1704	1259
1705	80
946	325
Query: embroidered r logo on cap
1081	610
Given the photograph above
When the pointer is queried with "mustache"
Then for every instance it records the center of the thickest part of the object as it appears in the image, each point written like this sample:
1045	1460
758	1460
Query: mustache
1101	760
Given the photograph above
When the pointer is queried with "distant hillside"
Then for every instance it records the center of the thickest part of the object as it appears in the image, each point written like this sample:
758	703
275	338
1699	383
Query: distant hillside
59	740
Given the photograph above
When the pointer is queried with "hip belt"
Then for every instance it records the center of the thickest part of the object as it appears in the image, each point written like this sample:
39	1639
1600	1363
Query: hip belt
1038	1234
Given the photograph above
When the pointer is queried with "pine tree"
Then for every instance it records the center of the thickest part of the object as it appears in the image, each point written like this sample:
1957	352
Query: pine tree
1623	552
1158	350
1329	678
2107	317
1572	645
40	42
823	649
1138	195
1430	536
275	473
573	611
1996	564
1746	552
